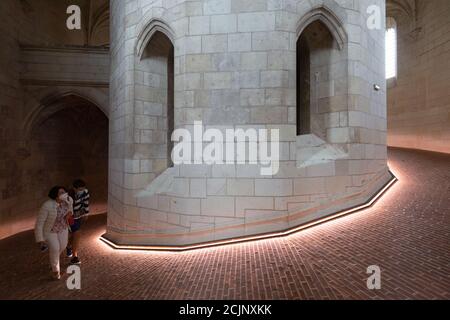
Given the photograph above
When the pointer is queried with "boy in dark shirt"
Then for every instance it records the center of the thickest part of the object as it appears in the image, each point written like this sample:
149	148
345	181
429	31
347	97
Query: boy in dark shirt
80	195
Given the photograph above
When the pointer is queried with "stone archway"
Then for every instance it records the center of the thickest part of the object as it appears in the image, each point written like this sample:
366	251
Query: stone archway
66	138
45	101
329	19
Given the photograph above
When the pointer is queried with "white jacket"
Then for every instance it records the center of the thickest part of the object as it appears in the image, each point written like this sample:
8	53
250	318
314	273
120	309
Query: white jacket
46	219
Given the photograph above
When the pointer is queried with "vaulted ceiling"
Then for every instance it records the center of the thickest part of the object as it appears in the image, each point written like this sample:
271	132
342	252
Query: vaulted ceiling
408	11
401	8
97	27
43	21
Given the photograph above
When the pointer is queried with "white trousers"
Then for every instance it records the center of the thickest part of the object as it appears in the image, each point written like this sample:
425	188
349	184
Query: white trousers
57	242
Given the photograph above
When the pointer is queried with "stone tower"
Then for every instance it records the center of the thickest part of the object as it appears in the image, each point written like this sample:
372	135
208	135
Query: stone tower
310	68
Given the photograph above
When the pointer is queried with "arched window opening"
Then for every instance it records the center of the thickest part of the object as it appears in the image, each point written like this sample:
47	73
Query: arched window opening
391	49
156	65
320	78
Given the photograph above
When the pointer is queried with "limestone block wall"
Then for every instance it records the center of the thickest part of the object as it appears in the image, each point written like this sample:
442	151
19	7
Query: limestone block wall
235	67
419	101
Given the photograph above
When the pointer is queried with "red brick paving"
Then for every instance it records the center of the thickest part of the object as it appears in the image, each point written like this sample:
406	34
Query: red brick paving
407	234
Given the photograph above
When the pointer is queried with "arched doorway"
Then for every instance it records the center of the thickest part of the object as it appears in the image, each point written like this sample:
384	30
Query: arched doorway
67	140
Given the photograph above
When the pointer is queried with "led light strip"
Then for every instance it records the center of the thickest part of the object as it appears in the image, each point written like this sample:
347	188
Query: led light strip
266	236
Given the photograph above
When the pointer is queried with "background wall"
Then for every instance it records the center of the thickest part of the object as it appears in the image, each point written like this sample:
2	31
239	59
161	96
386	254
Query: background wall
40	59
419	103
10	114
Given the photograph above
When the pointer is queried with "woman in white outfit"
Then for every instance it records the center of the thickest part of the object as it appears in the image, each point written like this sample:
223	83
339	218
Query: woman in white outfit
52	226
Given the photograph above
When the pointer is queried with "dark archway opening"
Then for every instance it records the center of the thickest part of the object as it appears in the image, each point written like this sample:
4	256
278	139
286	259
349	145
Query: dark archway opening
70	143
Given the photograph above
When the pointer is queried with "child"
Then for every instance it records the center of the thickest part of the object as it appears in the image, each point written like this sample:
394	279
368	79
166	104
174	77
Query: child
80	214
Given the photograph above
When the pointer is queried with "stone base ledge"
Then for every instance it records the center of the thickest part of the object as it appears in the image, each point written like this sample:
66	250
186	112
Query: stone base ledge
245	233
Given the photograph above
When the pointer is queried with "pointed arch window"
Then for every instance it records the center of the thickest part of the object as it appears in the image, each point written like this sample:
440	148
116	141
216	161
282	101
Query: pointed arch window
321	71
155	81
391	49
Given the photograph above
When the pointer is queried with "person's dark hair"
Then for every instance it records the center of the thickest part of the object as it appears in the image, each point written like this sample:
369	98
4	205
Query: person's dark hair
53	193
79	184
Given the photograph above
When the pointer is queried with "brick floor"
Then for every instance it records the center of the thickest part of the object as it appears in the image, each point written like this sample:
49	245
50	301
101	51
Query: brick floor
407	234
